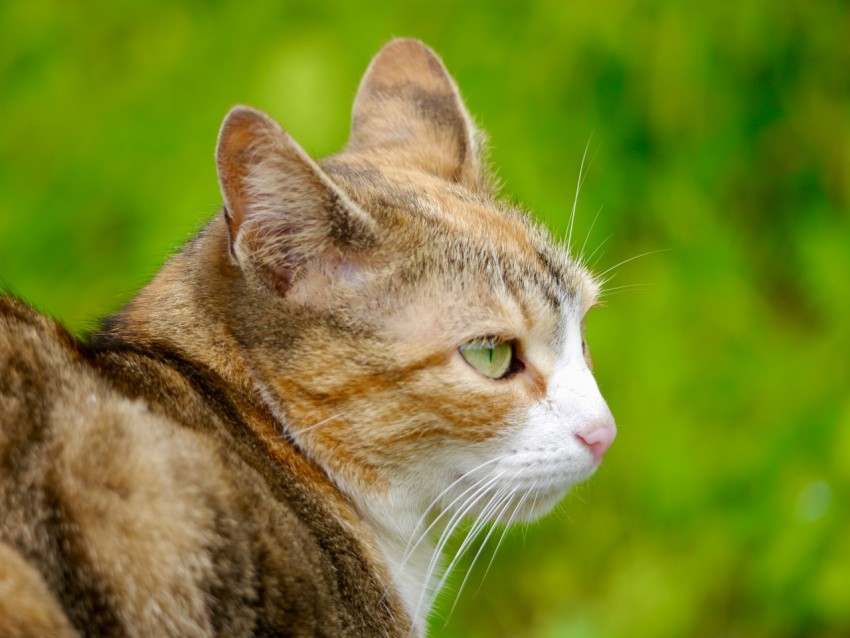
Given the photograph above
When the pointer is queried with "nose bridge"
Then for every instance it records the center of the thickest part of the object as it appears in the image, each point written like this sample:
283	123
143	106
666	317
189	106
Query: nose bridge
575	395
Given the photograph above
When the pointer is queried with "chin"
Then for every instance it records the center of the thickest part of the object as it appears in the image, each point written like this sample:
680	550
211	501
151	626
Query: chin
536	506
530	505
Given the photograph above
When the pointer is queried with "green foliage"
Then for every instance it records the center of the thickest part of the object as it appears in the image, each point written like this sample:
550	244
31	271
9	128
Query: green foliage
720	134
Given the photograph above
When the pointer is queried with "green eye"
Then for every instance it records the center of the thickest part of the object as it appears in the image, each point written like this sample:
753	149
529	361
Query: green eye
490	359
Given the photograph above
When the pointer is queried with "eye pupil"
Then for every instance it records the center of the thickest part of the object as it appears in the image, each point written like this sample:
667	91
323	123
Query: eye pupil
493	360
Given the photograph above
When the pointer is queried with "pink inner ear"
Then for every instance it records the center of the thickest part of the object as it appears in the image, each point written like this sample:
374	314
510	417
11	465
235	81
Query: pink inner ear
242	128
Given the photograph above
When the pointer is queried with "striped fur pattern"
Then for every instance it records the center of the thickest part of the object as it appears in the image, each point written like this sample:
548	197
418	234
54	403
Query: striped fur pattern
279	433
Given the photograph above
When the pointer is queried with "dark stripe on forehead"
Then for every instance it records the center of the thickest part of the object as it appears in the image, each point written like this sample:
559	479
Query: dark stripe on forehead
523	277
360	174
459	261
385	199
556	277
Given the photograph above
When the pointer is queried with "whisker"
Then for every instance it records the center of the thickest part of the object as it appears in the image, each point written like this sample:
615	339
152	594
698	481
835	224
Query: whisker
561	512
506	527
495	502
575	494
587	237
476	488
528	524
581	176
461	514
452	525
606	292
317	425
595	250
625	261
462	477
446	509
493	527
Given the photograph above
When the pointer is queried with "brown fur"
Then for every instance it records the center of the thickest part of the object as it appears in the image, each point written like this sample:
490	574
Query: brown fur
199	466
153	510
27	606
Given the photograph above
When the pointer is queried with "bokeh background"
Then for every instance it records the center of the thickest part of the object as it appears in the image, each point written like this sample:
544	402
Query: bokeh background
720	135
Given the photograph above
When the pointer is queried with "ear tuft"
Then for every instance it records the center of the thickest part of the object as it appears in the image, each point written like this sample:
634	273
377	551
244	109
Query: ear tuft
408	107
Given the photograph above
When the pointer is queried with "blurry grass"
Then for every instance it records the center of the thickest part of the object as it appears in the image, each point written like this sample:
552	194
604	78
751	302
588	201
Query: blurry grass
721	135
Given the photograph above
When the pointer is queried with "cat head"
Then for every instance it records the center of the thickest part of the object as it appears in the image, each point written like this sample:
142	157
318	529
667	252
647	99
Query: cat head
417	337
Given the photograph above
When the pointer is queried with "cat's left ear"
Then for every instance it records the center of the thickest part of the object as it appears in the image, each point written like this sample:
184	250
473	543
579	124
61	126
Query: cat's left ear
409	109
284	214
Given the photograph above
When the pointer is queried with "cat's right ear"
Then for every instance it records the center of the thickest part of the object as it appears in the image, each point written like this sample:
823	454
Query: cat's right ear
408	108
283	212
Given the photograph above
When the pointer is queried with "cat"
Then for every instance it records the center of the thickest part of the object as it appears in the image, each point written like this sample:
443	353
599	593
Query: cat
279	432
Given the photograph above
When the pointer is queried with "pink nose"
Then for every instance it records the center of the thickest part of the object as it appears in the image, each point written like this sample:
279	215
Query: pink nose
598	440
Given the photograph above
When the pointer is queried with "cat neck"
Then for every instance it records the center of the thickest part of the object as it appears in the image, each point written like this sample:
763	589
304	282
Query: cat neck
405	538
180	308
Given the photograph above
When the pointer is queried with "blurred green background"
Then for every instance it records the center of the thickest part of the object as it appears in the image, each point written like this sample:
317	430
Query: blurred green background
720	134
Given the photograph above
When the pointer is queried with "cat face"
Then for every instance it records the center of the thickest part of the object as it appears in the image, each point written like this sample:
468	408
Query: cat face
476	274
419	339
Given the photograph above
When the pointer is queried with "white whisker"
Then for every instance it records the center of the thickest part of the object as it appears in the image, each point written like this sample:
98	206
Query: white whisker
493	526
625	261
319	424
581	258
495	502
507	527
476	489
616	290
504	531
595	250
528	524
581	176
446	509
451	485
451	526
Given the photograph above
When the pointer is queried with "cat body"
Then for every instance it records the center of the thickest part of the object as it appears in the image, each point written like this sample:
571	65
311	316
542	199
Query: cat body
277	435
163	503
